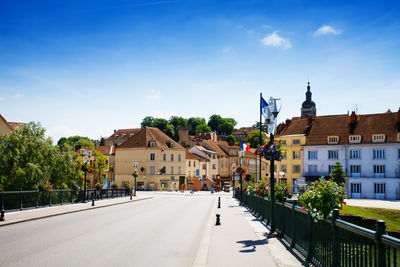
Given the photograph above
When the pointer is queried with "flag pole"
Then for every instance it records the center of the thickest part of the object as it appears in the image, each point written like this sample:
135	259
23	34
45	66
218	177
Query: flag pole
260	134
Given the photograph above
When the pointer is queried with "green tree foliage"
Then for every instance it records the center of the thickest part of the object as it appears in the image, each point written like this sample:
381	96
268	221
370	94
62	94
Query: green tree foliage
161	124
193	122
170	131
233	121
231	139
214	121
98	166
225	128
147	121
264	126
102	141
202	128
75	141
28	157
254	138
178	122
338	175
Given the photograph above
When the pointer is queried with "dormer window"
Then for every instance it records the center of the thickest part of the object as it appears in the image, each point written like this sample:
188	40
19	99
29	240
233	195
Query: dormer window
355	138
333	139
152	144
117	135
131	135
378	138
171	145
124	135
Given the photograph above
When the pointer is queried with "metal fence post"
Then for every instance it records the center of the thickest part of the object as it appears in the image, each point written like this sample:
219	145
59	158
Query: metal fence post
335	240
310	248
61	197
20	199
37	198
293	243
380	230
49	198
2	207
72	195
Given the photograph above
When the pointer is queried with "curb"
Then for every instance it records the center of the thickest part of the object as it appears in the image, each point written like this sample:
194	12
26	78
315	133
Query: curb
71	211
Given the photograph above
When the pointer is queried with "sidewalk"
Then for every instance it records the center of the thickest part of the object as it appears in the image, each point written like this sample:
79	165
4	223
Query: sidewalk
241	240
34	214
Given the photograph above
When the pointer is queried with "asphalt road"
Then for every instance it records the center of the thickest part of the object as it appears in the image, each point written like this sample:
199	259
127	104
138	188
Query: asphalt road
163	231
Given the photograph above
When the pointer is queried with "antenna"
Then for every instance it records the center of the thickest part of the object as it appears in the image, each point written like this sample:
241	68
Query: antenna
355	108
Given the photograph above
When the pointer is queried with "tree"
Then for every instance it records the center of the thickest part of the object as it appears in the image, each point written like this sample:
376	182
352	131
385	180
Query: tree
225	128
147	122
202	128
193	122
170	130
264	126
254	138
178	122
27	157
102	141
76	140
214	121
233	121
160	124
98	166
337	174
231	139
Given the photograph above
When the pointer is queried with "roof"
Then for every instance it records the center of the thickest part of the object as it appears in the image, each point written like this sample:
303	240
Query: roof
150	134
106	150
6	123
243	130
296	126
192	156
127	132
365	125
13	125
215	145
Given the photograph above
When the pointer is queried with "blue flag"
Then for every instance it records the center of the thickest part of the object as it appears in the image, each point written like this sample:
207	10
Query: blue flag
265	108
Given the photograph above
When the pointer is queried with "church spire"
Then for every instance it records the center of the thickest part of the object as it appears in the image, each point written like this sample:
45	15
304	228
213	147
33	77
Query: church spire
308	107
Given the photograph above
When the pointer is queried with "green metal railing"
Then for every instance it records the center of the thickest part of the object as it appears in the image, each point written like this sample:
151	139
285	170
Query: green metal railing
328	242
21	200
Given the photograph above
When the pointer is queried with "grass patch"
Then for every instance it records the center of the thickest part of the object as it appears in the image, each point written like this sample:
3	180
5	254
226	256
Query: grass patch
391	217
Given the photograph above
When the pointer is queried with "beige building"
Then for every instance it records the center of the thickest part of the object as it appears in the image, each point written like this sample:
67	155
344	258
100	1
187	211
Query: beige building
210	166
121	135
161	162
7	127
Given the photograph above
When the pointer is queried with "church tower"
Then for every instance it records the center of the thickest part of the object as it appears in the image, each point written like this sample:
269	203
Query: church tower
308	108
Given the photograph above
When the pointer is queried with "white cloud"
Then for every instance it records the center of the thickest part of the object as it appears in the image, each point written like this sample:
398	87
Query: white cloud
326	29
18	96
276	41
2	99
153	95
60	130
161	114
227	49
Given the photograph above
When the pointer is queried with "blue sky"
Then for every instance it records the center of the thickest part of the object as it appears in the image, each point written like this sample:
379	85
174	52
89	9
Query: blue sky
88	67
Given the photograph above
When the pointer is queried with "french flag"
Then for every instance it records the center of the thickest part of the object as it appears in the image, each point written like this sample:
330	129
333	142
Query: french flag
244	147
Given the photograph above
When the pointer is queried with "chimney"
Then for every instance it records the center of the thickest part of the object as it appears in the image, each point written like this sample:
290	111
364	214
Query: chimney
353	117
115	130
309	120
398	116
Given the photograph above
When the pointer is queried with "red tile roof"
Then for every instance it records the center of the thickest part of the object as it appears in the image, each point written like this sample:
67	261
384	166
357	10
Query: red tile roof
120	133
105	150
150	134
194	156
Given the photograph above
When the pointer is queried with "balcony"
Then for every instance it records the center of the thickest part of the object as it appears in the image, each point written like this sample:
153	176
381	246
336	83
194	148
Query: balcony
316	174
379	175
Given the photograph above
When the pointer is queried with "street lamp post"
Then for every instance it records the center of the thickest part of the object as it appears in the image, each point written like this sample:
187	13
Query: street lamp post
241	155
233	178
271	120
86	153
135	175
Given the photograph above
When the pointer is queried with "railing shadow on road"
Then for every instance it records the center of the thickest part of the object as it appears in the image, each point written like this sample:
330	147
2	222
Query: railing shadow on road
249	246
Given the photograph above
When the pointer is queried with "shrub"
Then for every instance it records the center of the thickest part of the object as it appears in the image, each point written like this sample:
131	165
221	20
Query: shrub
322	198
127	185
262	189
250	189
98	186
114	185
281	192
44	186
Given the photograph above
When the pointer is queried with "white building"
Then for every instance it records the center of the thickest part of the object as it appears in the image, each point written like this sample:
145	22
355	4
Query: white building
211	165
368	147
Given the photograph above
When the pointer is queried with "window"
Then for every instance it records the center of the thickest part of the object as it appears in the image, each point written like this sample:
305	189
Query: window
189	163
356	188
378	138
398	137
379	170
172	145
312	155
313	168
296	169
152	156
172	169
398	153
296	154
179	157
355	154
284	156
332	154
296	142
379	153
213	156
194	163
152	169
355	169
380	188
355	138
152	144
172	157
214	166
333	139
283	142
283	168
204	166
330	168
179	169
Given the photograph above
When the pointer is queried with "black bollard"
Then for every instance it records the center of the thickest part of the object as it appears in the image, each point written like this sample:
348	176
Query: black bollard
219	204
218	220
2	215
92	199
2	207
131	192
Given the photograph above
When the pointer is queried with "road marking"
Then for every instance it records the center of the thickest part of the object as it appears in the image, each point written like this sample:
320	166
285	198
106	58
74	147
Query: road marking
202	253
